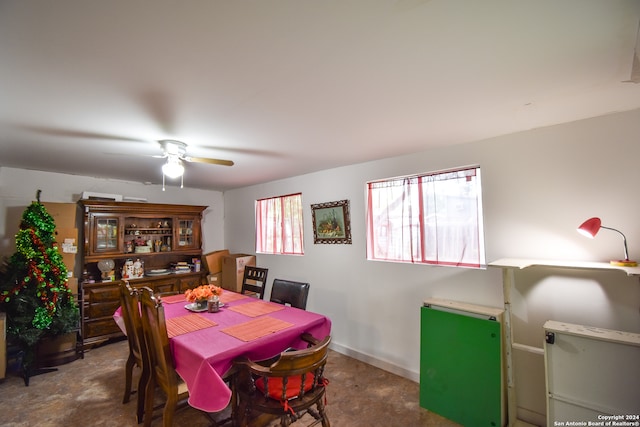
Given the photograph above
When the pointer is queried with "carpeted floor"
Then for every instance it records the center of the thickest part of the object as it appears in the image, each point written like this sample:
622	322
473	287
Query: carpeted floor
88	392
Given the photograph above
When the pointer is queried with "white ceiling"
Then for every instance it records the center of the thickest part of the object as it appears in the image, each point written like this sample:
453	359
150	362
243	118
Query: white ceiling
287	87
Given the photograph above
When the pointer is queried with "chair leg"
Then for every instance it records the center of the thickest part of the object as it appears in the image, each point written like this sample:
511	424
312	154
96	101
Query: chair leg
323	413
241	415
148	402
169	410
128	377
285	420
143	382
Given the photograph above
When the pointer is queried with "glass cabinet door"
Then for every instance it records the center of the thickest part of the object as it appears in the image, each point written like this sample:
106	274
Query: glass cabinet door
186	234
106	234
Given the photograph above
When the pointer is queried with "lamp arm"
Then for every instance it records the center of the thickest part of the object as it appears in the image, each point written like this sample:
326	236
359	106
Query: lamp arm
624	240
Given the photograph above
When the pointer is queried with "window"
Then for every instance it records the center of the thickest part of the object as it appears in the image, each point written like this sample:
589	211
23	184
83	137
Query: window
279	225
433	218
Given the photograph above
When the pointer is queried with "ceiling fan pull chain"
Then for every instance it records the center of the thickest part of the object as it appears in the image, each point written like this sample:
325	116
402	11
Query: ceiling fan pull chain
163	182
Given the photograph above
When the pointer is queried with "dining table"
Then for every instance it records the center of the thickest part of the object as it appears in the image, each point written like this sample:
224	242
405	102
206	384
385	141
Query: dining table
204	344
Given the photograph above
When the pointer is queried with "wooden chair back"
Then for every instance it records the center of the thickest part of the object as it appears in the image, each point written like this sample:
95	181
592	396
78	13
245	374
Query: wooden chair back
138	354
290	292
254	280
132	321
286	388
162	366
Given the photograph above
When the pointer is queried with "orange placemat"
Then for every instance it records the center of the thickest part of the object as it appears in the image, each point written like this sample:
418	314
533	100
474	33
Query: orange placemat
256	328
229	296
189	323
258	308
170	299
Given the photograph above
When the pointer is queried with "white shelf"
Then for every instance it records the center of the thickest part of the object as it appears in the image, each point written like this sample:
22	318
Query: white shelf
465	307
508	265
591	332
521	263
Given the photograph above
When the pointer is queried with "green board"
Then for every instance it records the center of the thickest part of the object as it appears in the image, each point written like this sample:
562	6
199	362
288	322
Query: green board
460	370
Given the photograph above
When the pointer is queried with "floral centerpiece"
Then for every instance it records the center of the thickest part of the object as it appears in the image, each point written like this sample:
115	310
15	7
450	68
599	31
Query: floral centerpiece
201	294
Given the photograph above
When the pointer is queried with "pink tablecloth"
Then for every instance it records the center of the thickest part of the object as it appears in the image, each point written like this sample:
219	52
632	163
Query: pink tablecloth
203	357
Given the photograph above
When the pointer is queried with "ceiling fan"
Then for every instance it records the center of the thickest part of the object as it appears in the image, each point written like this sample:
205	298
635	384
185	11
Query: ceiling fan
175	153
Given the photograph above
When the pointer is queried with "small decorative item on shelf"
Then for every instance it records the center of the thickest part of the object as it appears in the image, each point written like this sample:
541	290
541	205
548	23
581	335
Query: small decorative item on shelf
133	269
201	294
106	267
138	269
182	267
143	246
127	269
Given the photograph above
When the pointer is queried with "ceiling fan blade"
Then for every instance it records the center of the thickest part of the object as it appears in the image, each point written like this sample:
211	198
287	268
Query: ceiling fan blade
71	133
209	161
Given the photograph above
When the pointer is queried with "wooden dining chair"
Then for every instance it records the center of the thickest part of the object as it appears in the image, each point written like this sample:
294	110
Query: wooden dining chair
288	388
163	373
254	280
289	292
137	348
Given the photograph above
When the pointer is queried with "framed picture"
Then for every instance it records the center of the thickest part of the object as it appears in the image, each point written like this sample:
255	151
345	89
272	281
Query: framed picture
331	222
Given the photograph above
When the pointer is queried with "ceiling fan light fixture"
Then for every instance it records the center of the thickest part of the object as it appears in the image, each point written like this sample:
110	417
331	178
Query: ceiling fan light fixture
173	148
173	168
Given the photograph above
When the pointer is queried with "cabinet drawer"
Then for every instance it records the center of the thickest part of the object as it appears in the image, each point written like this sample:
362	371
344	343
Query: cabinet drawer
104	309
98	328
189	283
102	294
159	286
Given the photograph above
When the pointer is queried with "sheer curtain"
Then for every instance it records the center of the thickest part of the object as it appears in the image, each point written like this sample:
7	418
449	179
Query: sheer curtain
279	225
432	218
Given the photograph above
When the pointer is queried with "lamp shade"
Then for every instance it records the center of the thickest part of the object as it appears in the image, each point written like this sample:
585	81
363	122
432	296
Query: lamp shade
590	227
173	168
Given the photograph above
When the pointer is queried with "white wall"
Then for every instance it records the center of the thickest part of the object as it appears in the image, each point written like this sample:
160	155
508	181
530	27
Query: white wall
18	189
538	186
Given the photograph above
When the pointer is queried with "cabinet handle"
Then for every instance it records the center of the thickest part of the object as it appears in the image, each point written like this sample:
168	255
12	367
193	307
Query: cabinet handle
550	337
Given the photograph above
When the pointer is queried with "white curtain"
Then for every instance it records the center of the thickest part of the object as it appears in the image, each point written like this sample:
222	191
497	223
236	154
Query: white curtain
279	225
431	218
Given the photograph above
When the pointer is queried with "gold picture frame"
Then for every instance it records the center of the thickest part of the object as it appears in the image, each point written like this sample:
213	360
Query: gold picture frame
331	222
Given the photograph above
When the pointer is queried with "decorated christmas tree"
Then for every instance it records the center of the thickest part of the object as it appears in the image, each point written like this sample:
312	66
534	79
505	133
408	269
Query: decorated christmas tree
33	286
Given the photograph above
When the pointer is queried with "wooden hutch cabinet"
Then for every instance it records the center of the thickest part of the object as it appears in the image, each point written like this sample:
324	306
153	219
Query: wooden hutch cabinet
158	236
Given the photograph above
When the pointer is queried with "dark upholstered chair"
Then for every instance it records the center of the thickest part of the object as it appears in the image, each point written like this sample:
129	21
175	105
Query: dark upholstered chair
163	373
137	348
254	280
290	292
287	388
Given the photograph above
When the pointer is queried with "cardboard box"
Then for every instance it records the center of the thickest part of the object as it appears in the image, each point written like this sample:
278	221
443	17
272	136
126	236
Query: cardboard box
214	279
233	270
64	214
72	283
67	239
213	260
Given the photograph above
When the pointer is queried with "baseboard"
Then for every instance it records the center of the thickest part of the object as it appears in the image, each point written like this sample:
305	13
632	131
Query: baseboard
378	363
528	418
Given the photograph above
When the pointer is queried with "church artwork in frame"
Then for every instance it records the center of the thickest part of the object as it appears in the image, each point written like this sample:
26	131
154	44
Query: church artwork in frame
331	222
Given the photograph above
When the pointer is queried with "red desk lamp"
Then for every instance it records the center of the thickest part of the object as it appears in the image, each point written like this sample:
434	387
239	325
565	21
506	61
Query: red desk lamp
591	227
